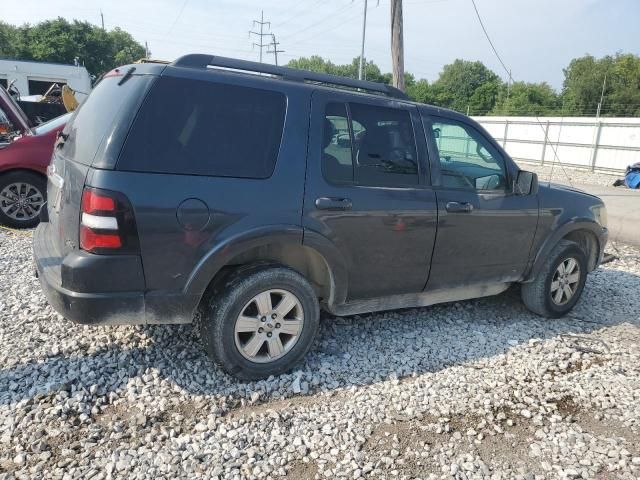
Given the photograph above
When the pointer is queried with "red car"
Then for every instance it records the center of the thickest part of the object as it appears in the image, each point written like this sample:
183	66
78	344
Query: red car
25	153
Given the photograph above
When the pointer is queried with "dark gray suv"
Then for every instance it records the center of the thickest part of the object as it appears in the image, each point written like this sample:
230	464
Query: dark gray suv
256	195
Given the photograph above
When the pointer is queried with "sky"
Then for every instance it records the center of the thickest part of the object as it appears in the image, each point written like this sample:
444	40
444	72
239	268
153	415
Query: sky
536	38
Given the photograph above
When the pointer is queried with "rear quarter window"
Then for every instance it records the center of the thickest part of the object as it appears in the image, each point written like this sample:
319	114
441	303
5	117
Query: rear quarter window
196	127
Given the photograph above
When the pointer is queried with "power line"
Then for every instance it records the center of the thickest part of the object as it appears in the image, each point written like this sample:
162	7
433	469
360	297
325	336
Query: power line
305	9
555	151
331	16
184	4
486	34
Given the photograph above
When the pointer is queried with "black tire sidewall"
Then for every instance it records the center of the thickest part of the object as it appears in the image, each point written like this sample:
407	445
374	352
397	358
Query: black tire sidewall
27	177
219	323
577	254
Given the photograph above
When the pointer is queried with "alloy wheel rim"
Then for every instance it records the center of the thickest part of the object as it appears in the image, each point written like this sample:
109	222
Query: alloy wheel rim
565	281
21	201
269	326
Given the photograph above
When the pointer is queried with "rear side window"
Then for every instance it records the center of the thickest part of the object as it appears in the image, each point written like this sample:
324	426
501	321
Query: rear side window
197	127
368	145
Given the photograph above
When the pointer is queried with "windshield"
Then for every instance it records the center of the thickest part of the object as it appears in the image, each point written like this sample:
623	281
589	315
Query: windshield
51	124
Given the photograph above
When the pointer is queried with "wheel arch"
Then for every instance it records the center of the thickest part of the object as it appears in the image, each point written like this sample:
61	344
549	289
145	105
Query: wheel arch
317	260
586	233
23	169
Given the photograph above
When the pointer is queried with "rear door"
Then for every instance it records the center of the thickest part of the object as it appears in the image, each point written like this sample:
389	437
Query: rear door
367	192
485	231
95	131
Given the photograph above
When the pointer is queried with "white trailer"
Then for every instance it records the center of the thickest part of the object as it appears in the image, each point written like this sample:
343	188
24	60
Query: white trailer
34	78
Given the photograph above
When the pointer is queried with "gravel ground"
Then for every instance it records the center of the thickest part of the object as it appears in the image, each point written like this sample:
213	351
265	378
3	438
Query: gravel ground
478	389
568	175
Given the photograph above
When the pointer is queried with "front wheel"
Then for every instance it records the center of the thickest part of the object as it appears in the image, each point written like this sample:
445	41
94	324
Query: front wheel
559	284
261	322
22	194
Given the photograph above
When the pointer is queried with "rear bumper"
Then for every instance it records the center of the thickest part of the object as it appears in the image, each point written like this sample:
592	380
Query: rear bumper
65	282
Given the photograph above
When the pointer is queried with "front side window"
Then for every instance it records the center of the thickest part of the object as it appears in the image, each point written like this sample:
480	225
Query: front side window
369	145
467	159
196	127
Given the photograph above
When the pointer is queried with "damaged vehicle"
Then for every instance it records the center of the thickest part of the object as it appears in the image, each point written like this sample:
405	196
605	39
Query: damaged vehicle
25	153
273	193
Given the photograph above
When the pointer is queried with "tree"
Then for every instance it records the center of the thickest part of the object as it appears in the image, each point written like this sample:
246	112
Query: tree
316	63
527	99
62	41
8	40
459	81
583	82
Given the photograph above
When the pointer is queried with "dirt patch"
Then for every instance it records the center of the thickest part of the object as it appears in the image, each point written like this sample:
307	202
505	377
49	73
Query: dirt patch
280	405
567	406
120	412
510	448
609	428
302	471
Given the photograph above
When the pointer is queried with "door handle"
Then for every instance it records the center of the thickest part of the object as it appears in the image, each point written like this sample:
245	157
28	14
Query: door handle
459	207
331	203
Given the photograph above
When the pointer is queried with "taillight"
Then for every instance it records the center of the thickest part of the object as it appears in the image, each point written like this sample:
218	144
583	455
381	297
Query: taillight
107	224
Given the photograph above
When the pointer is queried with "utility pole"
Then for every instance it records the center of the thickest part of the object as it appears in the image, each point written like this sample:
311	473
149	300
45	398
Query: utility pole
102	18
146	49
364	30
604	85
509	85
397	47
260	34
275	50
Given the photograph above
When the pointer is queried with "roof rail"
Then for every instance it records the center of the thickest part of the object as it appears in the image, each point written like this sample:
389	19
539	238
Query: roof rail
199	60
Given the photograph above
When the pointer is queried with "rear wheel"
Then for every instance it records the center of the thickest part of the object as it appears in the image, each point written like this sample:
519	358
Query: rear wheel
261	322
559	284
22	194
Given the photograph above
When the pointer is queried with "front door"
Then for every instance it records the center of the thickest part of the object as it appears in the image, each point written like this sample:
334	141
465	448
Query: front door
485	231
367	193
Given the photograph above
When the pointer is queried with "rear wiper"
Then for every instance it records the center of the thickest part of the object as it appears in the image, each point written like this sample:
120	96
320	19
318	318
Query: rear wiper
127	75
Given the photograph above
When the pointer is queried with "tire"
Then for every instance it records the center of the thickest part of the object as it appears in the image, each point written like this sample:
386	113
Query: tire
34	188
538	295
230	341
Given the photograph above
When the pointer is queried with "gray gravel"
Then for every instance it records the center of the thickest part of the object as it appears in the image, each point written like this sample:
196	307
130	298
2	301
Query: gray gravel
478	389
567	175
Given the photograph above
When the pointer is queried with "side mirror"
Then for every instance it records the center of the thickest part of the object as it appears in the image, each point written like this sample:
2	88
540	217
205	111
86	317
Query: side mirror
526	183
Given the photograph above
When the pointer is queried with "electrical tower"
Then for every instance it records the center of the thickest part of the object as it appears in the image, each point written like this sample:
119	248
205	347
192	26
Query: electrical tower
274	46
261	33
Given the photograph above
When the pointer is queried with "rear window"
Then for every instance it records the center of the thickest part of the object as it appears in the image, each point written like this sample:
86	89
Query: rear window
97	115
196	127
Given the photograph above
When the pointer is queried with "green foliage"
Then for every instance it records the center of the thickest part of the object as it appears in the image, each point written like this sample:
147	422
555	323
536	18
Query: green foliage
471	87
316	63
459	81
527	99
463	85
62	41
584	78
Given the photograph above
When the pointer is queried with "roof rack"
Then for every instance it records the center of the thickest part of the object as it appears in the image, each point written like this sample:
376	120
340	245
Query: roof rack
199	60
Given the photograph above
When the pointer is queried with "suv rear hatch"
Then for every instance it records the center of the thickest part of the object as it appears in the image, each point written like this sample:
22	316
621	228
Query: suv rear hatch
92	138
